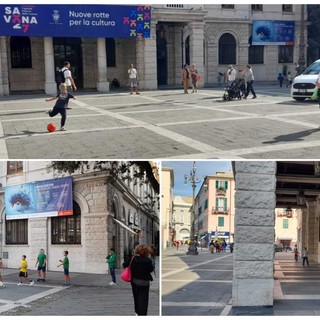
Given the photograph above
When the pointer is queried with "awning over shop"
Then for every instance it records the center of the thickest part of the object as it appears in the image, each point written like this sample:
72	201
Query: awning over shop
121	224
285	238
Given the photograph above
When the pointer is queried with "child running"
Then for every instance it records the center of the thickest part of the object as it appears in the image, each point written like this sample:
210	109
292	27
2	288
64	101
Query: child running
65	263
24	271
61	104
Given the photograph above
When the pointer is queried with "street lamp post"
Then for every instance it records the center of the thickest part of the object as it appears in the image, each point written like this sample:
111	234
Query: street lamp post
193	179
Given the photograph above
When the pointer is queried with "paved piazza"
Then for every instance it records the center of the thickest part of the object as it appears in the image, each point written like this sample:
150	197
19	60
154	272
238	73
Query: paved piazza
163	124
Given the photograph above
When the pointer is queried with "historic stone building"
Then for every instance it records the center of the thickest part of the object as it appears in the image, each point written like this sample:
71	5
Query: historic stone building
261	187
181	218
111	208
211	36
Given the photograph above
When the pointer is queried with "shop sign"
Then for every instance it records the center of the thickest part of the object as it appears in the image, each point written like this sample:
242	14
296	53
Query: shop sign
47	198
50	20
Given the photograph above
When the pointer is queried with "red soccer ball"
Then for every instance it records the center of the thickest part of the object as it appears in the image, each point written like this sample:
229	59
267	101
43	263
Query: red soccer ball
51	127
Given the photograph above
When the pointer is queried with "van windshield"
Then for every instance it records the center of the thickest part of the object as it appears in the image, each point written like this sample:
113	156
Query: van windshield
314	68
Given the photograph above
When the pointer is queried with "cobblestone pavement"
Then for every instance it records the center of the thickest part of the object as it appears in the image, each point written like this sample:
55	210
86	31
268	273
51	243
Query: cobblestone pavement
89	294
163	124
202	285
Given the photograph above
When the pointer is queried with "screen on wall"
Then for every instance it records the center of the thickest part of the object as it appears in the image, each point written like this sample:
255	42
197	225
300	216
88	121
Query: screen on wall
47	198
106	21
267	32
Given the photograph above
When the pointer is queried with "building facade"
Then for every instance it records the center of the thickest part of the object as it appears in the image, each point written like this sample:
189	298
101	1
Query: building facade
209	36
181	218
214	204
111	208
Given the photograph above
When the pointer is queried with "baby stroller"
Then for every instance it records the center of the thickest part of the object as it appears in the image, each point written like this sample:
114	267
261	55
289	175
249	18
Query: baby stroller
235	90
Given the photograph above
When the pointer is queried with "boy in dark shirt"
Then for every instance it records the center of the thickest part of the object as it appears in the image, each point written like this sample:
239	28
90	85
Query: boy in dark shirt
61	104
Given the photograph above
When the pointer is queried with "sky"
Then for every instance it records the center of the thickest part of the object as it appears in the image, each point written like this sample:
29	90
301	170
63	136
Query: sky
203	169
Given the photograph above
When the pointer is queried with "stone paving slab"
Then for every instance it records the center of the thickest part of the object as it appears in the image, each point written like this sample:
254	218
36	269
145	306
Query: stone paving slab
191	311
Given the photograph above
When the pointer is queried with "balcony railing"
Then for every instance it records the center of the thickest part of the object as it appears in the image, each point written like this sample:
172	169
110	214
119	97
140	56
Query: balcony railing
220	210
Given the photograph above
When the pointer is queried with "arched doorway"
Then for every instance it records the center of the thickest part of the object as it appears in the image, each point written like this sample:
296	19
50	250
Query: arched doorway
69	49
162	58
227	49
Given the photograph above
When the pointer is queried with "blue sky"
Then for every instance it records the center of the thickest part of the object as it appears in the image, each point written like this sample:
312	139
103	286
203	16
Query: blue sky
203	168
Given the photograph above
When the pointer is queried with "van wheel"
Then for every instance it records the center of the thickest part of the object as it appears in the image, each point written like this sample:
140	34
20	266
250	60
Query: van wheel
299	99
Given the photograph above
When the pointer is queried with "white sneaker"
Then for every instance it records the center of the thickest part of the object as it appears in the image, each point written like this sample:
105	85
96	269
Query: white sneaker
111	283
31	283
19	284
47	112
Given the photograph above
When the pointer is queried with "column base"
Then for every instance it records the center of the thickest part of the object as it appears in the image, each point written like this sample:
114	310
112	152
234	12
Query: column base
192	249
103	86
50	88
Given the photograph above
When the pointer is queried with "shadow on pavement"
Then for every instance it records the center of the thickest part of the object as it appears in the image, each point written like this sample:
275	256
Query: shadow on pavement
296	136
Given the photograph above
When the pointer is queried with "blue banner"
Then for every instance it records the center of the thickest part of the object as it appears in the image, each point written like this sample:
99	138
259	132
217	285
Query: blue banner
47	198
105	21
265	32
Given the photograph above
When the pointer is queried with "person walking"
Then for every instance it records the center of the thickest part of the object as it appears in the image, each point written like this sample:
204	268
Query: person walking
318	86
289	80
305	256
249	78
185	76
61	104
41	262
24	271
65	264
280	79
141	268
231	74
194	78
112	260
2	285
69	82
133	79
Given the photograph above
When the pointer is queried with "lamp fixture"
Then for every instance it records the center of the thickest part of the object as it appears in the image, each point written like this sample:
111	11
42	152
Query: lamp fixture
301	198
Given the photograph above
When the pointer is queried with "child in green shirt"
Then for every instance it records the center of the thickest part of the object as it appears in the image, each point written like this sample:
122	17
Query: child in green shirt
65	263
111	260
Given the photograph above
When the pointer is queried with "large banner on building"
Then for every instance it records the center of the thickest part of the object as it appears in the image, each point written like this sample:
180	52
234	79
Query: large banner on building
106	21
47	198
265	32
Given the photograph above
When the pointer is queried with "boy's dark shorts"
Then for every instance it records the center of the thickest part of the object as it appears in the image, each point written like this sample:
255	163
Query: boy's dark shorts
43	268
66	272
23	274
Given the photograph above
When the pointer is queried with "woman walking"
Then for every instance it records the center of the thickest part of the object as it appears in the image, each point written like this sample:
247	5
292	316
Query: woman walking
249	78
185	75
194	78
141	268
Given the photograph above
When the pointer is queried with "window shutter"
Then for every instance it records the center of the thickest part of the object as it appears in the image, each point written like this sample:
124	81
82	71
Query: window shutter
217	184
217	202
226	185
225	204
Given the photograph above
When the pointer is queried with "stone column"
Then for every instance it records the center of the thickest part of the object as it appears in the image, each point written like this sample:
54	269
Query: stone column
4	76
255	202
312	241
50	83
102	84
304	229
147	60
196	47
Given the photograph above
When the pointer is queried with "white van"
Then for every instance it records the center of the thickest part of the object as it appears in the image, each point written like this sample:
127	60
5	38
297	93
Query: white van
304	85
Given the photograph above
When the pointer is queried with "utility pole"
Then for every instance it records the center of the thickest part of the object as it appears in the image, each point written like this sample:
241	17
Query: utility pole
302	43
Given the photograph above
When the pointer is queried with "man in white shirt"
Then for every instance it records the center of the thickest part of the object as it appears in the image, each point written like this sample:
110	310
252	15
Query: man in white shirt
133	79
69	82
231	74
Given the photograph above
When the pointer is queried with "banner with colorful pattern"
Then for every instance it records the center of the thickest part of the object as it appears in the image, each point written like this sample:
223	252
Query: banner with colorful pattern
106	21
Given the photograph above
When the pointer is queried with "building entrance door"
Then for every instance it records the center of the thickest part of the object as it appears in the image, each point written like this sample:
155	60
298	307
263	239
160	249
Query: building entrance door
162	68
69	49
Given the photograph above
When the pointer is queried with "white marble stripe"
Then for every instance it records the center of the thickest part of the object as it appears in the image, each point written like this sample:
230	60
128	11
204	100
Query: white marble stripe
193	304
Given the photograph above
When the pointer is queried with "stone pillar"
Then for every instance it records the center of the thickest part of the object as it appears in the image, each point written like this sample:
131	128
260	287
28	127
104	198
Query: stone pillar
255	202
4	76
304	229
196	47
50	83
102	84
312	241
147	60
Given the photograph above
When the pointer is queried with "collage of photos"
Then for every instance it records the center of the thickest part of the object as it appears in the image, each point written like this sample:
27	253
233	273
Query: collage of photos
159	160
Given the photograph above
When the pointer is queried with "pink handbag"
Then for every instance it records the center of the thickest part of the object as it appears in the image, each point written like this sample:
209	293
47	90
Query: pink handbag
126	274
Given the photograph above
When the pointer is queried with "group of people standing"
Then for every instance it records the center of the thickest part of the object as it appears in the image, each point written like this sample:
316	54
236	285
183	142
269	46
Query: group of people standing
188	73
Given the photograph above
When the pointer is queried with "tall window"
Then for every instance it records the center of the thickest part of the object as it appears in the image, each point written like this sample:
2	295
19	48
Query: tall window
257	7
222	204
227	49
285	224
14	167
20	48
220	221
187	50
17	231
67	230
227	6
285	54
222	184
287	8
111	52
255	53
